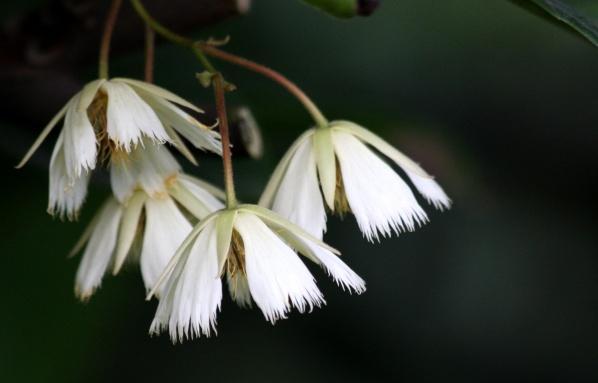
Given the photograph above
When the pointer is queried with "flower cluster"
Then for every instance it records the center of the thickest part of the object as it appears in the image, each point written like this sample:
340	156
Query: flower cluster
332	164
125	124
187	235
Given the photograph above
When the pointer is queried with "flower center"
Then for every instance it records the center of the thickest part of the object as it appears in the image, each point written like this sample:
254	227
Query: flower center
235	262
341	205
97	116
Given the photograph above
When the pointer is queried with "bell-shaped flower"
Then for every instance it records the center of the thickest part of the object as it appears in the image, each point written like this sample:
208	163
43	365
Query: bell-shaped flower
256	250
114	115
334	166
154	205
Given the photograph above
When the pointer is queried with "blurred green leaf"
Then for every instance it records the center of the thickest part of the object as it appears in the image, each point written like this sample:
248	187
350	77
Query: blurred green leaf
580	15
339	8
345	9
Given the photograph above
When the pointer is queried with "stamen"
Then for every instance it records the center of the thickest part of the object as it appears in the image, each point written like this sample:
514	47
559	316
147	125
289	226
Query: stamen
235	261
341	205
97	116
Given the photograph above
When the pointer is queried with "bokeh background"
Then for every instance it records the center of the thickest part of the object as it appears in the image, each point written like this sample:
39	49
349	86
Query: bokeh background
499	104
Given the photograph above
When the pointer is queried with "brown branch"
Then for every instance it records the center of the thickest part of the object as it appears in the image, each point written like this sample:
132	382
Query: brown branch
150	38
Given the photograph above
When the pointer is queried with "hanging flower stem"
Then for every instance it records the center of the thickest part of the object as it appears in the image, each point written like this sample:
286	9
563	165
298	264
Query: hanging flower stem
150	39
218	83
107	37
229	186
290	86
201	49
171	35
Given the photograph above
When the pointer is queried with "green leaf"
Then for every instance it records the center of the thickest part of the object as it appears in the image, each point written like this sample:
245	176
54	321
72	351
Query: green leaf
339	8
580	15
345	9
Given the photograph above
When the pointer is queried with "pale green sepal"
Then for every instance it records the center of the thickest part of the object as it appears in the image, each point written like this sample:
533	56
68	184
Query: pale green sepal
160	92
88	93
381	145
87	233
177	141
224	233
282	225
212	189
267	197
189	201
128	229
42	136
326	163
173	261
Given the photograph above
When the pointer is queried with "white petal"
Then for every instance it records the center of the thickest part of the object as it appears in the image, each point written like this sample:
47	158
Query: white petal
269	192
224	234
88	94
181	252
380	200
129	118
276	276
194	197
123	177
336	268
165	230
214	190
424	182
84	238
80	145
158	92
317	251
298	198
156	165
281	225
178	143
98	253
430	189
66	194
238	287
200	135
128	229
193	292
148	167
40	139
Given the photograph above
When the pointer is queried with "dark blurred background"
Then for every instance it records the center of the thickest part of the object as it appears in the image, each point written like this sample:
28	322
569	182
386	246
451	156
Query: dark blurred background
498	103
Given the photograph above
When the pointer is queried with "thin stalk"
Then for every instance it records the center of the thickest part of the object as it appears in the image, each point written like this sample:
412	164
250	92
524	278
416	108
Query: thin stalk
171	35
311	107
229	185
201	49
150	38
107	38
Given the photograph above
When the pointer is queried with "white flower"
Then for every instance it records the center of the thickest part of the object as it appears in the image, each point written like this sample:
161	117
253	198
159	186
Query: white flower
256	249
114	115
148	167
66	195
351	177
159	223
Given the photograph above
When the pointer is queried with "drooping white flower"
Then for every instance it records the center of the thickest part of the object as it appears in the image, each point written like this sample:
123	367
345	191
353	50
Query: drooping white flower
255	248
159	223
351	177
65	195
114	115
